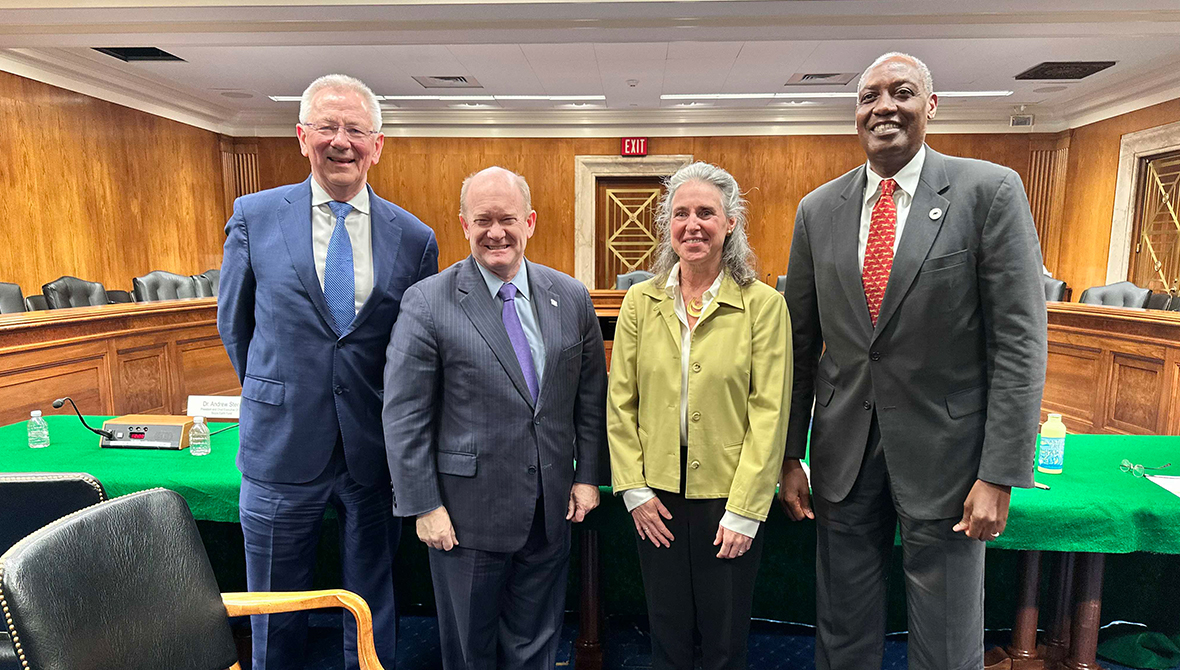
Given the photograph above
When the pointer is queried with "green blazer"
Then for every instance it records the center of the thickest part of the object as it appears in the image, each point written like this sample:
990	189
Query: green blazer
739	395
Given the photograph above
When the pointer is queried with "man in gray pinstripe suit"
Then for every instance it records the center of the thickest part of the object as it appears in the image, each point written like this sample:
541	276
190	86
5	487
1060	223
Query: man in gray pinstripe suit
495	406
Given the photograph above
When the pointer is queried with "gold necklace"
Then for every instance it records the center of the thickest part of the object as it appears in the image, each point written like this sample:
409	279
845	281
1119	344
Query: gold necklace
695	307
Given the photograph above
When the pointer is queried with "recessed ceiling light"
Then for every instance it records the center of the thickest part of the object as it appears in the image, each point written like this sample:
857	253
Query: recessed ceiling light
237	95
285	98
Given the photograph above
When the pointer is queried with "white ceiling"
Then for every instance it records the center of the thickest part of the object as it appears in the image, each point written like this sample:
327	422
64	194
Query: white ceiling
631	52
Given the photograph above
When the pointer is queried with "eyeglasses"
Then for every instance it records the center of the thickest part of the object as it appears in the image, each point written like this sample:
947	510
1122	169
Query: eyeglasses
330	130
1137	469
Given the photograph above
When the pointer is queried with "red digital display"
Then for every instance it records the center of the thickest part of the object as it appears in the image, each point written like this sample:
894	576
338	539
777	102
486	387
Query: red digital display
138	435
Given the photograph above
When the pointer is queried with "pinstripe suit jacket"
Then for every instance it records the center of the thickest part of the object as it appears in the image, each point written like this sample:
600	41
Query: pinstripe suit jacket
461	428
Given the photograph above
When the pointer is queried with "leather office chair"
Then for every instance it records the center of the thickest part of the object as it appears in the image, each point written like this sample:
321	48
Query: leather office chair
28	501
148	603
161	285
626	281
1159	301
12	300
35	303
214	279
1054	289
73	292
1119	294
203	286
780	284
1175	306
117	296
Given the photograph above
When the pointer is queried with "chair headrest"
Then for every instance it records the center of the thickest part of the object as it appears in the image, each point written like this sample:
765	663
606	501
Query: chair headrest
73	292
161	285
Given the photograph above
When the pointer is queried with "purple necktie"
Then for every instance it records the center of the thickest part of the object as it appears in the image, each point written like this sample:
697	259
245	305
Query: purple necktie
520	343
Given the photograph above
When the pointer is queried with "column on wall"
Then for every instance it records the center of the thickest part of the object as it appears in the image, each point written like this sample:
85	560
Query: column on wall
1046	192
239	168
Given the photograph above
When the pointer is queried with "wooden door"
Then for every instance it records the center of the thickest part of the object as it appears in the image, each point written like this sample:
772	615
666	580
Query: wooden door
625	228
1155	250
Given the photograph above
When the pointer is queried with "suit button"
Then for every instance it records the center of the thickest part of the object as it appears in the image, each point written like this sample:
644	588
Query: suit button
536	422
876	355
694	465
338	389
868	405
340	345
696	367
532	469
696	416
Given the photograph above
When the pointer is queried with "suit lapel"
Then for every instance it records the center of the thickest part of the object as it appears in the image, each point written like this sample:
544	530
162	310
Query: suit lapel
918	235
845	237
667	307
484	312
295	222
548	315
386	237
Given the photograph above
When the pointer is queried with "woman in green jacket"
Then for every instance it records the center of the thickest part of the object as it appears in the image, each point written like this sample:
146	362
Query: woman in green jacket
700	388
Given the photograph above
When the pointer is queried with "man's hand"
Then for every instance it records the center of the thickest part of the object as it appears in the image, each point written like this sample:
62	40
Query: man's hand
435	529
649	524
985	512
794	492
583	498
733	543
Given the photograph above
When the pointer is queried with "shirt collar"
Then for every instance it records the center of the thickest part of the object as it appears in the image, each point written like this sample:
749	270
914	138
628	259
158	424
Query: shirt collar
359	202
907	178
672	286
520	281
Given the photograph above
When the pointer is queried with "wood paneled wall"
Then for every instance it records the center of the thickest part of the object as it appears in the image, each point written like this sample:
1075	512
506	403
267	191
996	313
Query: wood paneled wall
100	191
1089	194
424	174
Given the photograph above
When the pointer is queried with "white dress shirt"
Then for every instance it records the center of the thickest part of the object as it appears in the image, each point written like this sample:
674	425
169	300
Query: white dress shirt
907	180
633	498
525	309
360	229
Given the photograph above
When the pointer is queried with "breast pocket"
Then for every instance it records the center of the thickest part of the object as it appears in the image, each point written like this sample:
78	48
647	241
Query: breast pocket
946	262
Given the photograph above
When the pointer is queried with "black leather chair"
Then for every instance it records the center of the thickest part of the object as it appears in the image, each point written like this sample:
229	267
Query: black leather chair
1054	289
30	500
73	292
1119	294
161	285
11	298
1175	306
626	281
780	284
214	277
141	592
203	286
1159	301
35	303
117	296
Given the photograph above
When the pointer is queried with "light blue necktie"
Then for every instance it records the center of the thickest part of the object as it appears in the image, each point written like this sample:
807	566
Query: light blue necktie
339	281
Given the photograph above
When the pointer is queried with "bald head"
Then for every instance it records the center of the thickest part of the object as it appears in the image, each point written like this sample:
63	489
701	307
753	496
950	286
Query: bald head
495	173
497	216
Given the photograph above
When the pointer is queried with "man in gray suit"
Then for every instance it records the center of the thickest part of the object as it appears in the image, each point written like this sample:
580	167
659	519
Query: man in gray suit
917	277
495	429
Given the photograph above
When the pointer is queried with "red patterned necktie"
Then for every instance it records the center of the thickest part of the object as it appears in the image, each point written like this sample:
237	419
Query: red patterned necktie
879	250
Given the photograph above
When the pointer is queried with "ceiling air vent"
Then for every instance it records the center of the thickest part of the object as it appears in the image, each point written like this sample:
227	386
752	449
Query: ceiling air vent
1021	121
821	78
1051	70
138	54
452	81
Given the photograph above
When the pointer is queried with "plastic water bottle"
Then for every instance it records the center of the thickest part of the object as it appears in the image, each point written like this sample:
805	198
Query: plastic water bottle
38	430
1051	451
198	437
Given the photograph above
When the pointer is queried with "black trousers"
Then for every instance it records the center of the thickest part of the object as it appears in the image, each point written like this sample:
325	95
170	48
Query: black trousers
687	587
943	574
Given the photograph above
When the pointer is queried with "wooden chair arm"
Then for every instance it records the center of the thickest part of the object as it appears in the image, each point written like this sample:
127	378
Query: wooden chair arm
242	604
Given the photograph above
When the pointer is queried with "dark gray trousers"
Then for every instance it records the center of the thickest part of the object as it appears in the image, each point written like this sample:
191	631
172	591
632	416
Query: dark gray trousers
502	610
943	573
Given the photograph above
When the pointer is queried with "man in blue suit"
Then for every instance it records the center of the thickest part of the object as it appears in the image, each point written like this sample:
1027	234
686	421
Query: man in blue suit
311	285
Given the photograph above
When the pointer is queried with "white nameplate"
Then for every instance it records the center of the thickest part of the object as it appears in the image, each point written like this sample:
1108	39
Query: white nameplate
214	406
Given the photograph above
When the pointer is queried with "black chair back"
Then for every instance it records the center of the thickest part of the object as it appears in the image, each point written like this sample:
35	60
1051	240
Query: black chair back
214	277
1159	301
161	285
1119	294
780	284
118	296
11	298
1175	306
626	281
35	303
73	292
203	286
125	584
1054	289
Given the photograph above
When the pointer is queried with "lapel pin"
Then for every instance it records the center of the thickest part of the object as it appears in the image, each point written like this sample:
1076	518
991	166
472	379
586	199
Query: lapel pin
553	301
935	213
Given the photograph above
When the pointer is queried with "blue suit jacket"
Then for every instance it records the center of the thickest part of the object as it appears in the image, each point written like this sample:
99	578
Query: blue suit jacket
303	383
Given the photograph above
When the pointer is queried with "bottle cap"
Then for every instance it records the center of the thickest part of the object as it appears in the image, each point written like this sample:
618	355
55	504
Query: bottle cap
198	419
1055	416
35	412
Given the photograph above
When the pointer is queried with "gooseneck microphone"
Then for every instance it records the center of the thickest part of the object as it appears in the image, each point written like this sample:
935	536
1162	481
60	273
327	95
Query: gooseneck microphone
57	404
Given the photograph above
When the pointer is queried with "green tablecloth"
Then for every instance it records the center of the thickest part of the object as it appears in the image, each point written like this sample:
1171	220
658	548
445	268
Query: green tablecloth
1092	505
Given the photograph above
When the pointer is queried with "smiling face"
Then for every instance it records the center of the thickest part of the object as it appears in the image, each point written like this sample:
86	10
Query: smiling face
496	222
892	109
338	163
698	227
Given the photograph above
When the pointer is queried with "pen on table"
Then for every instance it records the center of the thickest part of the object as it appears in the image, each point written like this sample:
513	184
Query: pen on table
1044	487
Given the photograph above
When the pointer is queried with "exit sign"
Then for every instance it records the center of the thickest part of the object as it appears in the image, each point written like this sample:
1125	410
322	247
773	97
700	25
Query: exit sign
634	146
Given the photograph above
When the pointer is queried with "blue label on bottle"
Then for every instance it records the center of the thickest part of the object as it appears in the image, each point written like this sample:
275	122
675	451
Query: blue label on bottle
1051	455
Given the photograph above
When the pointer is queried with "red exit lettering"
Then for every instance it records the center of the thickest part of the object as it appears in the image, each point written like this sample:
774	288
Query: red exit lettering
634	146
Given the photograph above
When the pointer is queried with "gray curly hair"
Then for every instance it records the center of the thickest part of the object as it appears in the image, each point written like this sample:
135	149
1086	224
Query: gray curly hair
340	82
737	258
